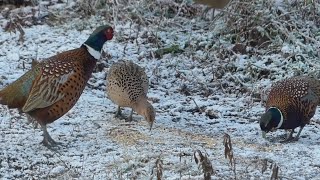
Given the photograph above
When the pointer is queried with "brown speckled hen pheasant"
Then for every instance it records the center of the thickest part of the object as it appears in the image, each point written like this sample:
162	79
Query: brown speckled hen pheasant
52	87
127	86
291	103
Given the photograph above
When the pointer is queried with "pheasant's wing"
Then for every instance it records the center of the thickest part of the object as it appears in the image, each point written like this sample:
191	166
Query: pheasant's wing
45	90
145	83
140	73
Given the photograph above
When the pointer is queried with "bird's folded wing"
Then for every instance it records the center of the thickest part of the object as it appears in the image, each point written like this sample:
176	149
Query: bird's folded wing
45	91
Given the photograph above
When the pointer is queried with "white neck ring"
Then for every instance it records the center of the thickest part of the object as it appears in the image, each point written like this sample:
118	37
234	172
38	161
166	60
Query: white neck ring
281	117
96	54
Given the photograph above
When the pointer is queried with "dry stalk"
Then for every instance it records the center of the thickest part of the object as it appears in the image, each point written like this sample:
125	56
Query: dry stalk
157	169
204	164
13	26
21	36
264	165
199	109
228	152
275	172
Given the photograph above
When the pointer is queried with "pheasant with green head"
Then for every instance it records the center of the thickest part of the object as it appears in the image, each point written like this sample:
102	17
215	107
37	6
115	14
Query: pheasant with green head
291	103
52	87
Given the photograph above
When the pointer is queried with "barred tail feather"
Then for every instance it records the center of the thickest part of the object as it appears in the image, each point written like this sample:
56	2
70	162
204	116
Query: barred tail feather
16	94
13	96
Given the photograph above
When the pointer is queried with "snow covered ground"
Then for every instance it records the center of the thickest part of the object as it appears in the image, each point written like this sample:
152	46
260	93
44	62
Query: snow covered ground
199	94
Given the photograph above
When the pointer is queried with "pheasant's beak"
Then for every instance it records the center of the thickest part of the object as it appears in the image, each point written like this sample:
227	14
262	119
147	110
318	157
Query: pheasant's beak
264	134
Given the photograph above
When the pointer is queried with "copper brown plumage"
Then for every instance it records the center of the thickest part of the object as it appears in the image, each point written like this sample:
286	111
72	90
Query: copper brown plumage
291	103
52	87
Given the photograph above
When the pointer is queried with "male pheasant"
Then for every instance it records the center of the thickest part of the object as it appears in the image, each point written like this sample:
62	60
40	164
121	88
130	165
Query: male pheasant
52	87
127	86
291	103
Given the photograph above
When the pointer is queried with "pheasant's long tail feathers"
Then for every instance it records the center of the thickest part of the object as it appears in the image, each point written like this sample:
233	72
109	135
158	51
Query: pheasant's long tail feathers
5	99
16	94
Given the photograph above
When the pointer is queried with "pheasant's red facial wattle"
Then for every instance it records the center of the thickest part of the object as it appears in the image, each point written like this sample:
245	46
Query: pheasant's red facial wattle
109	33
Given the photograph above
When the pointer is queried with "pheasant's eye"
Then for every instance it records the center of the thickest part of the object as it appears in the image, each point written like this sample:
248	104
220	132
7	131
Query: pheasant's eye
109	33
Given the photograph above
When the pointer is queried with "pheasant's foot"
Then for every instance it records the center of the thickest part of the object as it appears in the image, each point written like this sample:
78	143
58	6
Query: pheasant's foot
298	135
206	12
129	119
292	139
295	138
47	139
118	113
289	137
119	116
50	142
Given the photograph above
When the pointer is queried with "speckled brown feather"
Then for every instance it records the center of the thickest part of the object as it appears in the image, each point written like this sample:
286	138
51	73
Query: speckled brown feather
126	83
127	86
53	86
51	96
299	95
81	63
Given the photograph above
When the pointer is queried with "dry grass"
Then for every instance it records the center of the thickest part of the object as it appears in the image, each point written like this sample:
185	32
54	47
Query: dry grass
204	164
157	169
129	136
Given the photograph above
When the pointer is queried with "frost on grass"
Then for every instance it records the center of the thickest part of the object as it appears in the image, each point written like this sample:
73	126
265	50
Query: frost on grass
208	77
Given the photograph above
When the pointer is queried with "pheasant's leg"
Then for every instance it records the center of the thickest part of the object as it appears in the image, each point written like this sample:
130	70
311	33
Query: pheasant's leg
118	113
297	136
213	11
289	137
130	117
205	12
47	140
